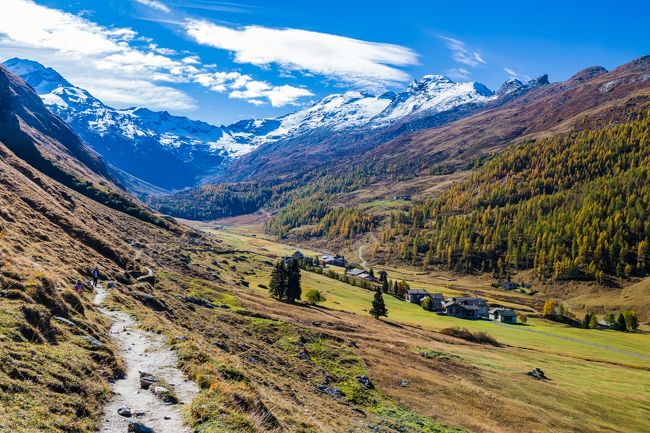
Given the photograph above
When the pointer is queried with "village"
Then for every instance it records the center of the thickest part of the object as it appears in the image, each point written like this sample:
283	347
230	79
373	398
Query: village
462	307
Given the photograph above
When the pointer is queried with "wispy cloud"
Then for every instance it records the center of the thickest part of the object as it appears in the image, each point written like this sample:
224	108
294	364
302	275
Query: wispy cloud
118	65
461	53
513	74
346	59
154	4
216	6
458	73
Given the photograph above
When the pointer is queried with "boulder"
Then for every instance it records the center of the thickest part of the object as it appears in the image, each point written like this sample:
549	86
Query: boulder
366	382
146	380
65	321
92	340
124	411
537	373
331	391
197	301
136	427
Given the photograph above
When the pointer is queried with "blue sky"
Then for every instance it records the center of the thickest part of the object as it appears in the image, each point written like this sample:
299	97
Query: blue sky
225	61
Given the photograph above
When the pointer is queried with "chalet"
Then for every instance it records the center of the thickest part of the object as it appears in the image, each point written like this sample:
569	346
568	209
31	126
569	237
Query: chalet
360	273
466	308
415	296
437	301
336	260
503	315
402	197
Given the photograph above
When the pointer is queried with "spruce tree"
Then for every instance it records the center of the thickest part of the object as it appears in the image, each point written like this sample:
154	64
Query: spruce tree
278	283
378	307
586	321
620	323
294	291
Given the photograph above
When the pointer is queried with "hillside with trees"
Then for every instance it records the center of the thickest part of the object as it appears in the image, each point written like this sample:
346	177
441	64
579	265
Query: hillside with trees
571	206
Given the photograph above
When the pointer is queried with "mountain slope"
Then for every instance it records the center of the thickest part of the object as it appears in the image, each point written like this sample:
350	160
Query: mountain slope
148	145
432	101
57	349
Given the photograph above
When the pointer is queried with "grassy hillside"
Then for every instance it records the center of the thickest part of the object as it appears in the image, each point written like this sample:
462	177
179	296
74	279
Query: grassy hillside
592	372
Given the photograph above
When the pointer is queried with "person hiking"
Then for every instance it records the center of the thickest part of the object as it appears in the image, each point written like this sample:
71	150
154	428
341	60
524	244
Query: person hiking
95	276
79	287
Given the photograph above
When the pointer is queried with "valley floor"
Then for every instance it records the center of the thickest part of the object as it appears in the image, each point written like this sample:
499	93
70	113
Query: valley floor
598	379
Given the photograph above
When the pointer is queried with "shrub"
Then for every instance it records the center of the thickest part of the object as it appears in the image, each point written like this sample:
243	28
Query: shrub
476	337
314	297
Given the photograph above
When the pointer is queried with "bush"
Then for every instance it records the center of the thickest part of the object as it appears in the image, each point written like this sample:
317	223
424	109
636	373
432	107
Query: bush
314	297
476	337
427	304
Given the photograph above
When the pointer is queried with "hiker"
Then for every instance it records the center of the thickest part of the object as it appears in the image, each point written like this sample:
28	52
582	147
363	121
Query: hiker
95	276
79	287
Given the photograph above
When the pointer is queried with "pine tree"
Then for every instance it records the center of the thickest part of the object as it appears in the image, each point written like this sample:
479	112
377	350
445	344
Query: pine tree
620	323
378	307
631	320
593	322
278	283
586	321
294	291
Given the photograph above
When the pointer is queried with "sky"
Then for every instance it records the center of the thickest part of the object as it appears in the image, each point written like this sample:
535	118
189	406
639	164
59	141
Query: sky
224	61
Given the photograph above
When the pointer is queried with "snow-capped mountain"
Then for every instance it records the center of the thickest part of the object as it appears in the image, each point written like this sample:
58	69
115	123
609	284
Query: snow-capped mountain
150	145
352	110
146	144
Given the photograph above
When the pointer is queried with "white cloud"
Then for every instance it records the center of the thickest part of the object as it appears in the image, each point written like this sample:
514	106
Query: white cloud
513	74
116	64
134	92
153	4
343	58
462	54
458	73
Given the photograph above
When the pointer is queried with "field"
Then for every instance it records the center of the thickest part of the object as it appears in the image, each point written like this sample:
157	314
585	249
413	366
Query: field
598	379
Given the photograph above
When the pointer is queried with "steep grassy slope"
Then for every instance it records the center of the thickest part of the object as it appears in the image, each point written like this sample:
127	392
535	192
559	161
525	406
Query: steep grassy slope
56	353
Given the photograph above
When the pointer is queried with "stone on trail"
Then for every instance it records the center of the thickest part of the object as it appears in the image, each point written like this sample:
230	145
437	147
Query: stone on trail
124	411
146	380
136	427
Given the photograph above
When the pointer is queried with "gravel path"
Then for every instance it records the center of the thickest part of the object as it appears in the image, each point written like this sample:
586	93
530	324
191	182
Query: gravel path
144	351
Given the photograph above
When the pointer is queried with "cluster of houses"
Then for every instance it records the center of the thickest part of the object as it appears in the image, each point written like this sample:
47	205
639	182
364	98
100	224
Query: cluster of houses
462	307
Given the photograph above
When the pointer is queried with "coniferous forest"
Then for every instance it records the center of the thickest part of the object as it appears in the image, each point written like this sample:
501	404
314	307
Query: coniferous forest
572	206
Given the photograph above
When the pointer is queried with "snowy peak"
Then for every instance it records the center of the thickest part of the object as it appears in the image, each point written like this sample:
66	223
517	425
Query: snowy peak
510	86
42	79
434	94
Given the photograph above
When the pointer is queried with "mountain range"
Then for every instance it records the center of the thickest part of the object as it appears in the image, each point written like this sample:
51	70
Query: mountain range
144	146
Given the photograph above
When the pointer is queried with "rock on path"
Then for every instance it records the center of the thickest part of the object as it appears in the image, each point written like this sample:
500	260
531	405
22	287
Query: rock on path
144	351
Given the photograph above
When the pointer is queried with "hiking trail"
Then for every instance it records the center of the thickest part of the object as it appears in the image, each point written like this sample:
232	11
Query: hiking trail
143	351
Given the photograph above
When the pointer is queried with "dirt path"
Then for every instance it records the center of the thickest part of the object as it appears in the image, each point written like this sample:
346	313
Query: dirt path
362	261
144	351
